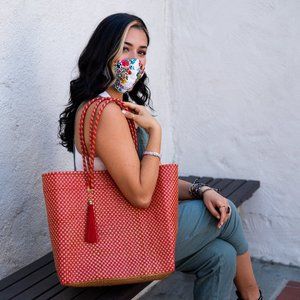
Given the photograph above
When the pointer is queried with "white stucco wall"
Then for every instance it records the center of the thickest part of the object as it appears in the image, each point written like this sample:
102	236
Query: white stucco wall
235	74
41	43
223	80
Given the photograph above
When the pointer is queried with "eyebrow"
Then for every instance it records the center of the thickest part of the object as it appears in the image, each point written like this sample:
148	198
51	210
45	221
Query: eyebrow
129	44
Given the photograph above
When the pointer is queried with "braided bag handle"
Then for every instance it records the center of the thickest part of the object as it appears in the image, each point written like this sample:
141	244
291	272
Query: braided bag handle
85	157
88	159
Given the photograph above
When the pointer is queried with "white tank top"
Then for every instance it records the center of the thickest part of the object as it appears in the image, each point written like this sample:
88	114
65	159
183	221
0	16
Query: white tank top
78	161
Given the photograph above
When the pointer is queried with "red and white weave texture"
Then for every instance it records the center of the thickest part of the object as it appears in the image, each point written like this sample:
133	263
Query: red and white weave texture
133	244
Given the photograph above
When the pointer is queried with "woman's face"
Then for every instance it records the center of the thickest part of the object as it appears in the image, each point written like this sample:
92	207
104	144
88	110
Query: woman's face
135	45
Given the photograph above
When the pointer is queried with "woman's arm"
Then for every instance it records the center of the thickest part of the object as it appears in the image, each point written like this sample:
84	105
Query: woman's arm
183	190
114	145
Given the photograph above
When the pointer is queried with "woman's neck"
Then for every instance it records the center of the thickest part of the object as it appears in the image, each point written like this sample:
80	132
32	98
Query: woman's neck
114	93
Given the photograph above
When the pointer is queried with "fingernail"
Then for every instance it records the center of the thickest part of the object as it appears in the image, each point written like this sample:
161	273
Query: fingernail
218	217
124	111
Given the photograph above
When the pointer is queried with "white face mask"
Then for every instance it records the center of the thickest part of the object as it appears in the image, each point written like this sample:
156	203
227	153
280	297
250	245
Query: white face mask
128	71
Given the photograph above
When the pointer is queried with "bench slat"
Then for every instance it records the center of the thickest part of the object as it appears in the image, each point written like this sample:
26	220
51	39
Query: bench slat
56	289
38	288
232	187
25	271
89	293
31	280
122	292
244	192
69	293
223	183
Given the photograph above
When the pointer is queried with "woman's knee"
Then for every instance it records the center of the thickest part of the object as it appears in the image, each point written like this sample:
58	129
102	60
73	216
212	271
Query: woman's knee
234	210
233	231
219	257
234	220
226	254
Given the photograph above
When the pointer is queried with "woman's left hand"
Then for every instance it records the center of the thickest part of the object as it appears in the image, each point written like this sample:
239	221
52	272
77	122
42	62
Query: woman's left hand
217	206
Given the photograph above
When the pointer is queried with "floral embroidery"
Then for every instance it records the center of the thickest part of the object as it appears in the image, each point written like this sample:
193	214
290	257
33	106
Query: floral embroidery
128	71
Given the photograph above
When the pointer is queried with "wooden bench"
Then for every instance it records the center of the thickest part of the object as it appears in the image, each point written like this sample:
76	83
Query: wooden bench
39	280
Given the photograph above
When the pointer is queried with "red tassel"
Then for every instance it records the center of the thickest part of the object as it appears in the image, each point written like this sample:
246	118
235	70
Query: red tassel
91	235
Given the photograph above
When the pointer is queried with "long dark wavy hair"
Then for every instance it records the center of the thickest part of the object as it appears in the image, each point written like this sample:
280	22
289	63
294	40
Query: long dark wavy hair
95	74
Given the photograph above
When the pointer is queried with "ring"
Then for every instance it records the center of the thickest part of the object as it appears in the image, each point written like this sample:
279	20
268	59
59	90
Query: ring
227	210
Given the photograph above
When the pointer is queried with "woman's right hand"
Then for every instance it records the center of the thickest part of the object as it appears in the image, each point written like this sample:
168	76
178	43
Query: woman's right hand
141	116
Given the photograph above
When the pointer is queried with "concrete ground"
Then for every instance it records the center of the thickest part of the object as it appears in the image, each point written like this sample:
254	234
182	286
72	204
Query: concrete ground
271	277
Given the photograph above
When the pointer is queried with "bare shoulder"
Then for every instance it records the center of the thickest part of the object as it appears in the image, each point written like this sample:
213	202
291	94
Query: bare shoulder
116	148
111	117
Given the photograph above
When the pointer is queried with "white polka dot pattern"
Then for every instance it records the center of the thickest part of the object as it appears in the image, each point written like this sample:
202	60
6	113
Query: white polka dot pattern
134	244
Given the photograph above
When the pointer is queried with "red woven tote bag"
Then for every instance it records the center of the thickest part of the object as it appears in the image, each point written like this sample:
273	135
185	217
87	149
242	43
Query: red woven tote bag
98	237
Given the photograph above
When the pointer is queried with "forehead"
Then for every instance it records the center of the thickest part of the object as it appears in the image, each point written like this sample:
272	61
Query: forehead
136	36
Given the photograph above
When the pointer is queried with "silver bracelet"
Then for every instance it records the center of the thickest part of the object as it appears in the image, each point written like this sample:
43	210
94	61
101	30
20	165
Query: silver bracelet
195	189
152	153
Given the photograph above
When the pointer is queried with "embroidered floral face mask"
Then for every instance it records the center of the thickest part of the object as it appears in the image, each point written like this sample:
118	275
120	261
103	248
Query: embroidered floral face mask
128	71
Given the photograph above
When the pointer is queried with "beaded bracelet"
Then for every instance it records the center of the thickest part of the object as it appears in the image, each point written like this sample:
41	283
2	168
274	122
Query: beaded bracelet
156	154
195	189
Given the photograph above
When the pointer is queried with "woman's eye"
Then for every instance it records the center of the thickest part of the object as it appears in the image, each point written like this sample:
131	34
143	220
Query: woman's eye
125	49
142	53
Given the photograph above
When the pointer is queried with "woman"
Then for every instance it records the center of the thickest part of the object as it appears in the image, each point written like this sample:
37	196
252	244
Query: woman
214	250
